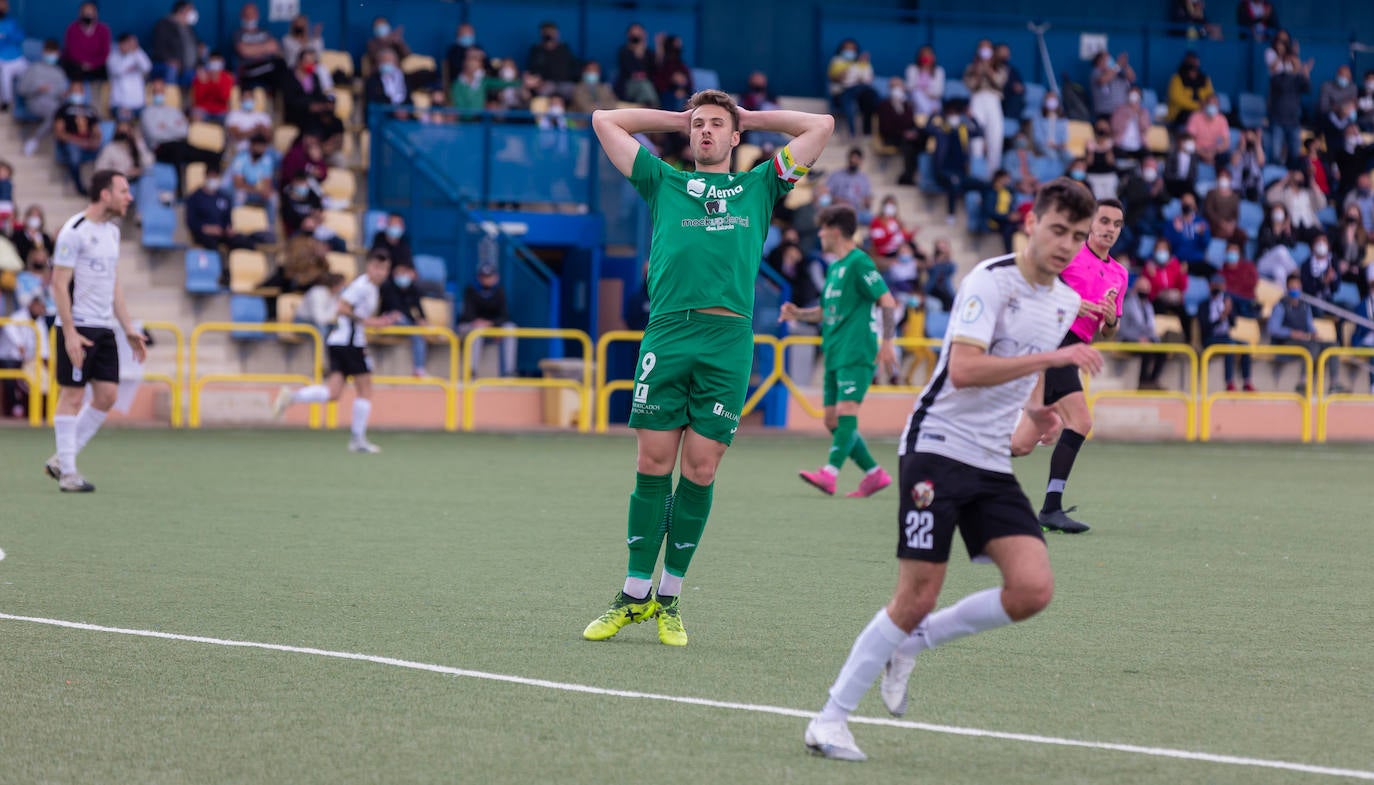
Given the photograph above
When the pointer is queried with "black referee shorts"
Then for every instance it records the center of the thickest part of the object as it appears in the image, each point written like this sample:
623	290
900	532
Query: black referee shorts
100	365
1065	380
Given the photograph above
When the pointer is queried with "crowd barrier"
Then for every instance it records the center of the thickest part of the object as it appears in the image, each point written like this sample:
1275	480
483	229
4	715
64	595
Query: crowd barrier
594	388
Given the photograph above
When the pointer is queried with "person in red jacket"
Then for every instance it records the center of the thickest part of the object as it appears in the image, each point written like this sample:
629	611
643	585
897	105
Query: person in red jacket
211	90
1242	277
1168	281
887	233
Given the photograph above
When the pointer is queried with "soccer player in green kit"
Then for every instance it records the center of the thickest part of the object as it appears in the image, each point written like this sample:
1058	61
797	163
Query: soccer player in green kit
849	340
698	350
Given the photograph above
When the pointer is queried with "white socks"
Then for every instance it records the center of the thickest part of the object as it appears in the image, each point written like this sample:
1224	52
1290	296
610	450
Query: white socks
669	585
978	612
315	393
870	654
88	421
637	587
361	409
64	429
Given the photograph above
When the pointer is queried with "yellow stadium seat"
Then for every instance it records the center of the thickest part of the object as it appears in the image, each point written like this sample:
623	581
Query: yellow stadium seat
344	224
1080	132
798	198
206	136
438	312
539	104
1267	293
287	304
343	105
420	100
1326	330
171	96
247	269
746	155
1246	330
1157	139
194	177
1166	323
249	220
340	184
345	264
417	62
283	136
364	150
335	60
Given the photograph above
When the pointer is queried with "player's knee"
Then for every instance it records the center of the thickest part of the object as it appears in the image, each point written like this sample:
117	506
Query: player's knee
699	470
907	609
1028	596
103	400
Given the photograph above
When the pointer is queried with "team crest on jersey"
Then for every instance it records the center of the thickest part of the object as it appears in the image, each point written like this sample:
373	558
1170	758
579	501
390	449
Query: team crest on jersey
923	494
1062	314
973	309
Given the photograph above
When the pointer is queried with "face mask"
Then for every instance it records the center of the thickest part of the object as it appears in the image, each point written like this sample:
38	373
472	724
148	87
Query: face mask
51	58
1211	110
1078	174
925	60
246	104
1223	185
853	167
212	183
467	40
1022	143
1150	175
395	232
823	200
1295	293
591	78
1277	215
898	95
1189	147
1342	81
1232	257
77	100
382	30
34	223
1162	256
550	37
403	281
849	54
1369	85
192	18
250	24
309	68
508	74
1320	249
985	53
889	210
1133	99
1051	104
300	191
1188	209
298	30
159	99
88	20
905	258
215	66
954	120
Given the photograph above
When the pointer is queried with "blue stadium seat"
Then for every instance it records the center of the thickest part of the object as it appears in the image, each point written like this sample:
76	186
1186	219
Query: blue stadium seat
1046	168
165	177
978	169
706	79
1206	173
1198	292
1216	252
1328	216
247	309
1235	138
1253	109
925	174
159	218
374	221
203	271
973	209
1146	247
1172	209
1302	252
32	49
1271	173
1224	103
955	89
431	268
937	321
1251	218
1347	296
1149	99
22	113
1035	96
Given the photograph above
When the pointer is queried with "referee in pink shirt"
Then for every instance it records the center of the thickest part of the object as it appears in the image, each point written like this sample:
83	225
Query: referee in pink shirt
1101	281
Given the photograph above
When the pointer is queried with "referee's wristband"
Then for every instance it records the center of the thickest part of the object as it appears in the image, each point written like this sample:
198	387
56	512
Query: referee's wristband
1110	325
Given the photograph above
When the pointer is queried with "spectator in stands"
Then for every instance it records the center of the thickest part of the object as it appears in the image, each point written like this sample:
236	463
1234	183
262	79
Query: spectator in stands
1130	125
1247	166
1314	164
1221	208
675	95
44	87
1349	161
1100	155
1301	200
1142	192
1180	167
209	213
1333	123
1274	249
1023	171
1363	198
553	61
259	54
1112	81
1013	90
320	304
851	86
925	82
306	154
1289	81
1364	103
1291	324
128	68
1050	130
299	202
1259	16
758	98
592	93
940	274
1216	323
457	53
1212	133
1321	273
400	298
305	265
12	60
897	129
484	305
30	234
887	233
1192	21
77	131
634	79
306	104
1138	326
244	122
20	344
1364	336
211	90
954	134
86	47
999	208
253	176
165	129
299	38
851	186
394	240
468	93
1188	235
384	37
1348	242
671	74
176	49
1168	282
35	280
1337	91
1189	87
126	153
1241	280
903	276
986	79
387	86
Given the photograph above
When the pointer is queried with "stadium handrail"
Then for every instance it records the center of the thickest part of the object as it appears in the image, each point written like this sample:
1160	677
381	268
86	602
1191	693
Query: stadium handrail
33	377
1209	397
1325	398
794	389
448	385
605	387
197	383
583	388
175	381
1188	397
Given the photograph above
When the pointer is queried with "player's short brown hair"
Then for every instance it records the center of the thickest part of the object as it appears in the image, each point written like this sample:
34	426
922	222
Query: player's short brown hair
715	98
103	180
1066	196
840	216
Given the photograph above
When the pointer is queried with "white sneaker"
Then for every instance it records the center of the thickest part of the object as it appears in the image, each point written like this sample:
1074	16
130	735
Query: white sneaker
52	468
74	483
832	740
363	445
30	147
281	402
893	686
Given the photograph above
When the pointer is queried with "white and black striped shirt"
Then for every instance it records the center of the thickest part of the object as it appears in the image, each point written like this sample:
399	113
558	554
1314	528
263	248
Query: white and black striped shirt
91	249
998	309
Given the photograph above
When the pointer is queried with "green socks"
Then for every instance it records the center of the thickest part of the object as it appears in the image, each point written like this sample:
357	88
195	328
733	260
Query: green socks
859	453
649	506
842	440
691	507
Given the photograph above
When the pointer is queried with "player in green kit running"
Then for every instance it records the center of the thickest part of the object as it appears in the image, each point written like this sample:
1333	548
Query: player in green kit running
849	340
698	350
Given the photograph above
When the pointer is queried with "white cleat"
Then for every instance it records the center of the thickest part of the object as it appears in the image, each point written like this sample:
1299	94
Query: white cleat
52	468
281	402
832	740
893	686
363	445
74	483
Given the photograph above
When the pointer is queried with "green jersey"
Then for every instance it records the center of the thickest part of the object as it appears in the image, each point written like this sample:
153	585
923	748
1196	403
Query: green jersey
849	325
708	232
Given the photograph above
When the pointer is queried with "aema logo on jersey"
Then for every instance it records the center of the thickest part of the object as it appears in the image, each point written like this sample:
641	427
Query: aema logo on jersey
696	187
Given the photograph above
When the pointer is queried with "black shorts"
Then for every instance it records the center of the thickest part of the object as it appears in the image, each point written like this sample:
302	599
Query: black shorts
349	360
939	494
1065	380
101	363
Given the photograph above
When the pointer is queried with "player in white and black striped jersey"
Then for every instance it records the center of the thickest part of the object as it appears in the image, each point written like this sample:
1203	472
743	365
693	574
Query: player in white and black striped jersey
1006	326
90	305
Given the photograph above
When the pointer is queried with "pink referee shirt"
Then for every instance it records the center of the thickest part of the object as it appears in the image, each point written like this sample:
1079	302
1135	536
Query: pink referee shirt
1092	277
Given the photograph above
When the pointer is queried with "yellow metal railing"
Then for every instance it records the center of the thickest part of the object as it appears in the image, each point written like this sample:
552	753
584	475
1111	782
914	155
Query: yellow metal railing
916	343
583	388
34	377
605	387
769	379
176	383
1208	397
197	383
1325	399
449	385
1188	397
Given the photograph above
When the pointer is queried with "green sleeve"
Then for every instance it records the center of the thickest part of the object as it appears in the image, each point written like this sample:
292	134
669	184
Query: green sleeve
871	283
648	174
767	171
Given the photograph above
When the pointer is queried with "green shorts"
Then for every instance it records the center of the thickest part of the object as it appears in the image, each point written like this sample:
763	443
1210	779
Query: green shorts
693	371
849	383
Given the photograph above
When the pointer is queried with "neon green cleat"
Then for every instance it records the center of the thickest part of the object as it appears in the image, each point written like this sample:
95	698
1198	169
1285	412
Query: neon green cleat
624	610
670	629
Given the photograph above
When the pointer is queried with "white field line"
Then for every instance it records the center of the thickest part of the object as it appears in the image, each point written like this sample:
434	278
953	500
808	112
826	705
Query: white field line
1158	752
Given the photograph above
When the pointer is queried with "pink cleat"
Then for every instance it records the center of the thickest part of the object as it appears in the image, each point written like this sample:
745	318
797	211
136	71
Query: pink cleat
871	484
821	479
